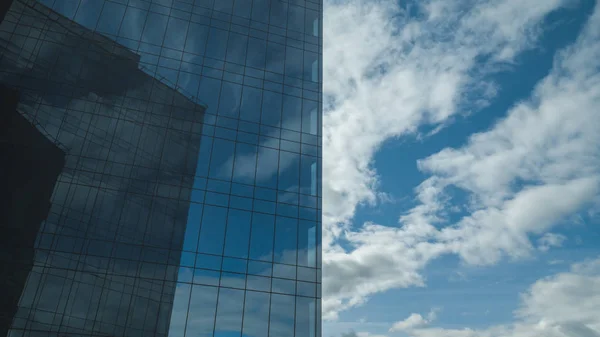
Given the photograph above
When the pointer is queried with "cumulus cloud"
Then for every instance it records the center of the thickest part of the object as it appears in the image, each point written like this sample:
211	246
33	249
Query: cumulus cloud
523	177
562	305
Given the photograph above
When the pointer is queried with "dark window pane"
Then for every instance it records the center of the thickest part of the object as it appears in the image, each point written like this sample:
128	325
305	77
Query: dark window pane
236	48
217	43
155	28
251	104
271	109
133	23
261	239
176	33
296	18
237	239
229	103
196	39
111	17
212	232
256	53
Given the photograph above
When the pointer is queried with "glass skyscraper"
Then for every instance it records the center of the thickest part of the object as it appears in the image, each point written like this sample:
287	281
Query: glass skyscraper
160	168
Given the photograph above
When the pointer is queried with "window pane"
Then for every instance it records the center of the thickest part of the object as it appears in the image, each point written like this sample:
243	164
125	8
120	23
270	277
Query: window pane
236	48
229	103
260	10
212	231
196	39
292	113
244	167
111	17
307	243
289	171
256	314
251	104
309	117
266	168
293	62
238	233
221	161
296	18
271	109
133	23
311	66
242	8
261	239
201	316
256	53
282	316
209	92
217	43
229	313
305	317
192	229
286	230
278	13
88	13
180	309
312	22
275	57
176	33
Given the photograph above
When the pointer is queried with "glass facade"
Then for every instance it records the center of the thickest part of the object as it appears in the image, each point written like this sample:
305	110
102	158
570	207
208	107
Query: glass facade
161	168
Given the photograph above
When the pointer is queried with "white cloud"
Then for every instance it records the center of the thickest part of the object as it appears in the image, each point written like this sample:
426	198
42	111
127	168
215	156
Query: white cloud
414	321
550	240
387	75
562	305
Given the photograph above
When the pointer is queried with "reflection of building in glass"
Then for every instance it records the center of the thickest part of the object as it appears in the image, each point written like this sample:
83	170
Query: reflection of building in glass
169	218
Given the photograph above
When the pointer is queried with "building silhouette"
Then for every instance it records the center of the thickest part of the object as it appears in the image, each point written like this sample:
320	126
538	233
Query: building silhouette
163	168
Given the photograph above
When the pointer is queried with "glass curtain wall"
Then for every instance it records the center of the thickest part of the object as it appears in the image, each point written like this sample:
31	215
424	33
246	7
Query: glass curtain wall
163	168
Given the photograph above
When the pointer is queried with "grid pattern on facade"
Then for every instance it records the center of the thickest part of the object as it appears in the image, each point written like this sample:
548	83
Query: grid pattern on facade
189	202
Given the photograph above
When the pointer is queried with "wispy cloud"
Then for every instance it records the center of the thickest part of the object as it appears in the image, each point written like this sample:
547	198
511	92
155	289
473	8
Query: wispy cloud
388	74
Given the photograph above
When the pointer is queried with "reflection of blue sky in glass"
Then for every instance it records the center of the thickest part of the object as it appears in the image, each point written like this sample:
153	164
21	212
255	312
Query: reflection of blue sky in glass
166	43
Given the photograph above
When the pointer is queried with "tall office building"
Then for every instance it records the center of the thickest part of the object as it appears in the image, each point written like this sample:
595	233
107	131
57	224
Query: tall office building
161	168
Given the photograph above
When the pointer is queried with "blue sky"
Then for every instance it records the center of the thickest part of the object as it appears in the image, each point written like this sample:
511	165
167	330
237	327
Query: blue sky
462	168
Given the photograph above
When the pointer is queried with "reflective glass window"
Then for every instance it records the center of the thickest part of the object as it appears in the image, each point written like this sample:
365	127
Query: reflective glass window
111	17
256	314
201	314
237	239
251	104
281	320
212	231
177	30
229	313
244	168
267	167
305	317
221	161
261	237
286	230
216	47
